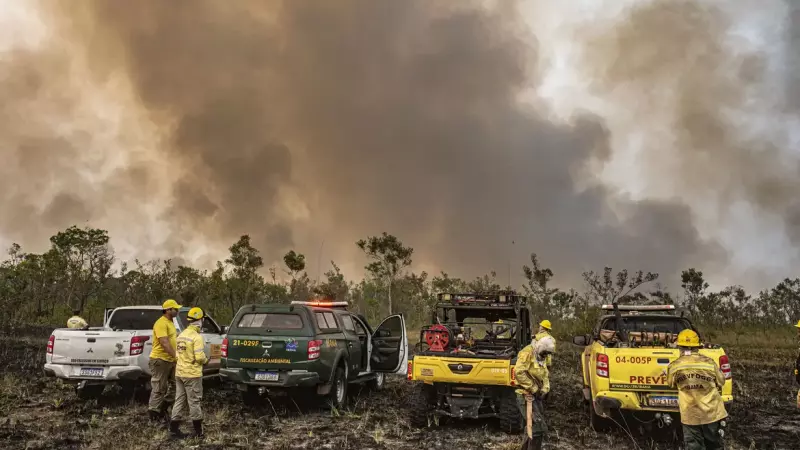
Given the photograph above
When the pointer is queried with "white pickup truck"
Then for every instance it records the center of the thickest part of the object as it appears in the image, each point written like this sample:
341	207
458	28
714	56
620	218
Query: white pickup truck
119	352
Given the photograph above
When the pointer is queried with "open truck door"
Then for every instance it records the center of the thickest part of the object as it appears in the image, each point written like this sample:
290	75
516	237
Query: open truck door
389	349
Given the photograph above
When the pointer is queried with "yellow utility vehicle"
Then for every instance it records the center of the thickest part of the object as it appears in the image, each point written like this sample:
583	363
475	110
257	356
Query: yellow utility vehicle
625	362
464	362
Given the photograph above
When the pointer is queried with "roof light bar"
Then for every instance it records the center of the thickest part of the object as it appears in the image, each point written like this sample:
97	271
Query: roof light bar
640	307
320	304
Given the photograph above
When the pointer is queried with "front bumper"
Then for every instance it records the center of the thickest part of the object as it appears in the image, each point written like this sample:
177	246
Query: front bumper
71	373
286	379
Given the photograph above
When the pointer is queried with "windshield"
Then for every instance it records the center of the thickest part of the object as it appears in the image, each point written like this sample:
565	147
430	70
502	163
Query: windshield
272	321
651	324
134	319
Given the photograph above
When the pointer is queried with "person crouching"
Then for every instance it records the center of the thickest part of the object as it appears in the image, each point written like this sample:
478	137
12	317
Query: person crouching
189	376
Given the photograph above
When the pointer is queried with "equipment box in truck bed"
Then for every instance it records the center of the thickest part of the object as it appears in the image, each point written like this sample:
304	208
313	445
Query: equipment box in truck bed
118	352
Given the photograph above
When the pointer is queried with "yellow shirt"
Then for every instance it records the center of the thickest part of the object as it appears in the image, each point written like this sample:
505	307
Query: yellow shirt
163	328
542	334
76	322
532	377
698	380
191	356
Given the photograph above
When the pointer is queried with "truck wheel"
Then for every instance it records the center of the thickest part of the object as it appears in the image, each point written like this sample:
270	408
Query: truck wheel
597	423
90	391
376	384
511	420
337	397
419	405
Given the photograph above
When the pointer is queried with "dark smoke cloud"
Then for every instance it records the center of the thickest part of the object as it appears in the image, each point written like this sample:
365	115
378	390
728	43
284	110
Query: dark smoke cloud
369	116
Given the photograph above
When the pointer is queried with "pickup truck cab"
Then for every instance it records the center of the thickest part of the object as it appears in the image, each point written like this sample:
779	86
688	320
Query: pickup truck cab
312	346
119	351
624	364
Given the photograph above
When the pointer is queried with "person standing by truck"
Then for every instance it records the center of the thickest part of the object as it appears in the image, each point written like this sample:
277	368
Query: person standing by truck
698	380
76	321
162	362
189	376
533	380
544	330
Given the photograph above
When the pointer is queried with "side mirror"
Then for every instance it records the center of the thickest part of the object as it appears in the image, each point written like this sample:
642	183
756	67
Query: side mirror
582	340
223	330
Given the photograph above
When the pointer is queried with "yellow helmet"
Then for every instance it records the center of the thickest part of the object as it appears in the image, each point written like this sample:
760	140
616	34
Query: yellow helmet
170	304
546	324
798	324
195	313
688	338
500	322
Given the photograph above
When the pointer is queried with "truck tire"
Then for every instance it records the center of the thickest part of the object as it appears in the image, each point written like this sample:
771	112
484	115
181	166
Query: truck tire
90	391
337	397
511	420
376	384
419	405
597	423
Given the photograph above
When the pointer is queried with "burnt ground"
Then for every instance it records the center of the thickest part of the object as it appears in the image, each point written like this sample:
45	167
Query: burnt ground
40	413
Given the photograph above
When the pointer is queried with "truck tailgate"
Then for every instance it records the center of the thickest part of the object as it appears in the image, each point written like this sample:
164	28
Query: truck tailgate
268	352
108	348
462	370
639	369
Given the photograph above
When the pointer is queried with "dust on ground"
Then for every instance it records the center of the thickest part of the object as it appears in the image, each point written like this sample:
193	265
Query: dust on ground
40	413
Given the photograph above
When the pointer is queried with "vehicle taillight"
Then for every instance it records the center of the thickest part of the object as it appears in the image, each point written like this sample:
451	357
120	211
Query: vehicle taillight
725	367
602	366
313	349
137	344
410	374
51	343
513	376
224	348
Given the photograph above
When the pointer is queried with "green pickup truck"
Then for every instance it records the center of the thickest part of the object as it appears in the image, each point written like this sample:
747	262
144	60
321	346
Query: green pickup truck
310	346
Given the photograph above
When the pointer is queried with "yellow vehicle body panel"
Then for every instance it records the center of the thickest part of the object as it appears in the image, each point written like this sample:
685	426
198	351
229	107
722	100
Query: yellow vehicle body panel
437	369
637	375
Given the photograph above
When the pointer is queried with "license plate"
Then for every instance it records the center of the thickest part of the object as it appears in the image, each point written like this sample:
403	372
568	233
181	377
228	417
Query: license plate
664	401
91	372
266	376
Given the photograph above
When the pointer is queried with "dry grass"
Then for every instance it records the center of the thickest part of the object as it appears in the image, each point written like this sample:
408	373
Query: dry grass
39	413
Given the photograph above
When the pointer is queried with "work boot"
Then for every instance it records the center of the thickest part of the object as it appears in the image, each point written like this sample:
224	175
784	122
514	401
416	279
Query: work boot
175	430
536	442
164	414
155	416
198	429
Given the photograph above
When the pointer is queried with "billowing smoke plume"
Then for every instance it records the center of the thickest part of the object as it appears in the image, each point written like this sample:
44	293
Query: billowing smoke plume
180	126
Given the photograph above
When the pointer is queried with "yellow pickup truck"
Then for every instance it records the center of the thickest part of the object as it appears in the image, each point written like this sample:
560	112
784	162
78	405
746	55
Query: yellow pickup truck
625	360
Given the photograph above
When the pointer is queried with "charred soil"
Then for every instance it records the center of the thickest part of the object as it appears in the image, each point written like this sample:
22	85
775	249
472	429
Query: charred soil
41	413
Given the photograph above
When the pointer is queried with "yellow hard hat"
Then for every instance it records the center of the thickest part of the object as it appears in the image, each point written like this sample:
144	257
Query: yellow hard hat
797	325
170	304
546	324
688	338
499	322
195	313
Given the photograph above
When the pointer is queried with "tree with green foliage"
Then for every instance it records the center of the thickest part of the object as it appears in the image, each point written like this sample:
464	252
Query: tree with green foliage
389	257
609	289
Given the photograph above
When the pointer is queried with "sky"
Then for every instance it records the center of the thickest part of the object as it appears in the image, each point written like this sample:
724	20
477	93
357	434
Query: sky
653	135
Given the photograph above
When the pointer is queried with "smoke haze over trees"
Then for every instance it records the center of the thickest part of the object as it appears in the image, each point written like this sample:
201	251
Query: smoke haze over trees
667	140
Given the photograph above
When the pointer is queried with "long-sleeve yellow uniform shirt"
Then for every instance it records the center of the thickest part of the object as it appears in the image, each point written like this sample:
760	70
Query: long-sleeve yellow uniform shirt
532	377
191	356
698	380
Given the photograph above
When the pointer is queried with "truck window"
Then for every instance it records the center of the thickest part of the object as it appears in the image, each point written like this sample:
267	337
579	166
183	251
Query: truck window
347	321
272	321
326	321
360	330
208	325
134	319
672	325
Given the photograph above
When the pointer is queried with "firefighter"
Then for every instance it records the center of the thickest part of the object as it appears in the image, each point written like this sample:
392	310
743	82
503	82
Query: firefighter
162	362
76	321
797	365
699	381
544	330
533	380
189	376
